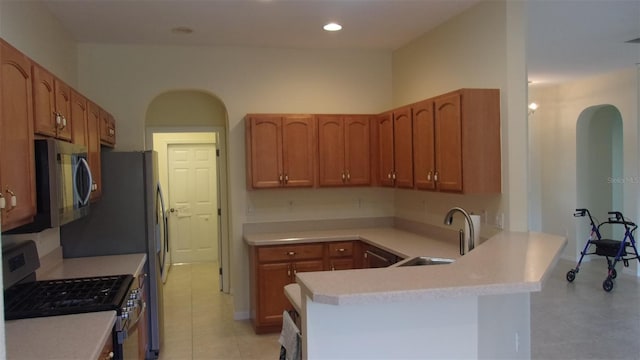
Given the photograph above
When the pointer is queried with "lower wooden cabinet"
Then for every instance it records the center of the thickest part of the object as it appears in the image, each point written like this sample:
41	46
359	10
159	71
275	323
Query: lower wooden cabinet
273	267
107	350
341	255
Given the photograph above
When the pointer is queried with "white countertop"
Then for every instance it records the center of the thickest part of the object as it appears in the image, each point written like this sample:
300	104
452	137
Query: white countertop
78	336
509	262
67	337
96	266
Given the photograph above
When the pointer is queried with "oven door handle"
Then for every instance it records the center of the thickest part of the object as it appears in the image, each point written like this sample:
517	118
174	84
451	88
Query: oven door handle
133	324
124	333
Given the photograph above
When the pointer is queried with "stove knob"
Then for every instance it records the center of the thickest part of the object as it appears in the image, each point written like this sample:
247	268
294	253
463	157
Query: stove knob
130	302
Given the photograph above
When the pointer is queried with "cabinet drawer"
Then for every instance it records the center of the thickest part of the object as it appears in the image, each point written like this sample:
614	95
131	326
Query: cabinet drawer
289	252
340	249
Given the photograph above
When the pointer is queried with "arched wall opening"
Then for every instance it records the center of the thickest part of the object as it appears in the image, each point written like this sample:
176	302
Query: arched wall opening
179	118
599	168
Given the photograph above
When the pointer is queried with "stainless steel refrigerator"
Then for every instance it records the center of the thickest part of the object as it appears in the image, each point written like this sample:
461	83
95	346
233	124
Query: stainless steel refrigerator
129	218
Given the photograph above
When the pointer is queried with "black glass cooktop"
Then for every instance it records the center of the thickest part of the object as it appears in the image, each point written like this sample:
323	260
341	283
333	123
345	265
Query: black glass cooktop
65	296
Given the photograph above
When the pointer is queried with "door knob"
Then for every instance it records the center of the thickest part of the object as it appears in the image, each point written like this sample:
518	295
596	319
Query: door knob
172	210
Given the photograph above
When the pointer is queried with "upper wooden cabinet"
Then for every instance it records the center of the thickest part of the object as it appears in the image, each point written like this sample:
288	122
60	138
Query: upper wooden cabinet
107	129
423	145
457	142
280	151
79	114
17	163
344	150
384	141
395	154
52	105
403	148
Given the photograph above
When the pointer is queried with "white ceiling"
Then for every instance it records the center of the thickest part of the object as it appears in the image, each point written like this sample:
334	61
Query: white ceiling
567	38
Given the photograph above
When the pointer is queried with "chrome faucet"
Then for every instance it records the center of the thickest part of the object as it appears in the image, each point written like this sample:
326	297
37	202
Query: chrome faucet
449	218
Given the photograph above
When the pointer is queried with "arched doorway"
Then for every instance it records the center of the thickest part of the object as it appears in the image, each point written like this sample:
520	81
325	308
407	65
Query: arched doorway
176	121
599	167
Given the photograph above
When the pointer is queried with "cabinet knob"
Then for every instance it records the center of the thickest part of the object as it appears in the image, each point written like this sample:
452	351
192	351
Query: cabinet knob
291	253
280	178
429	175
286	178
341	250
344	177
435	176
13	200
393	176
110	355
348	175
3	202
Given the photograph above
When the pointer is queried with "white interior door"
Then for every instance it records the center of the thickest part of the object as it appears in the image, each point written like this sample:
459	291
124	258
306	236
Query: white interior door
193	214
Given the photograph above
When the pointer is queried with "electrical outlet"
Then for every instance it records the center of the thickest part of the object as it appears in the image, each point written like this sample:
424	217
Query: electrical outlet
500	220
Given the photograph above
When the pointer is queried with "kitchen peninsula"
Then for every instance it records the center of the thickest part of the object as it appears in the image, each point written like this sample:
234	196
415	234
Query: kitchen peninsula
477	307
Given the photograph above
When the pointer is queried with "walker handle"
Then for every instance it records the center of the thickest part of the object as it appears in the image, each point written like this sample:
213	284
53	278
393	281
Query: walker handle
617	216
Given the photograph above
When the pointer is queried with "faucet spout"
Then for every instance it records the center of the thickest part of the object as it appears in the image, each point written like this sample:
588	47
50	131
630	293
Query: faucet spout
448	218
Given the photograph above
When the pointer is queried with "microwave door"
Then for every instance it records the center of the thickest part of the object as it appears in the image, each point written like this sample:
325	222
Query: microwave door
82	181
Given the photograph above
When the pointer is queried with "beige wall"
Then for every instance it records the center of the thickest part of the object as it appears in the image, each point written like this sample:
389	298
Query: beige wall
472	50
186	108
554	153
29	26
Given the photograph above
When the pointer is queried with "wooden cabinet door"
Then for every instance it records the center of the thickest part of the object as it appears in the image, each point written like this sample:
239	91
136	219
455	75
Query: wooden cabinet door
357	154
306	266
264	152
448	141
93	146
341	264
402	147
298	155
63	108
384	123
107	129
423	145
44	107
331	150
272	278
17	163
344	150
79	113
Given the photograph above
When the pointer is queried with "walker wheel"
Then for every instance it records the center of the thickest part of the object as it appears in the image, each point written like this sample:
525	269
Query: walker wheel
614	273
607	284
571	275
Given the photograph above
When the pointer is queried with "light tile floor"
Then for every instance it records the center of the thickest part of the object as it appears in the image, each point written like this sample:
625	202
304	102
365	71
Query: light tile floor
199	320
569	320
579	320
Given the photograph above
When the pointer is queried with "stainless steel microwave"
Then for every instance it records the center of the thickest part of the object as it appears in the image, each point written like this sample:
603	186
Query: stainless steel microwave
63	184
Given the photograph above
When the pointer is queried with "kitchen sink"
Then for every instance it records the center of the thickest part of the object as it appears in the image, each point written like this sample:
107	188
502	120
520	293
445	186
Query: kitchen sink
426	260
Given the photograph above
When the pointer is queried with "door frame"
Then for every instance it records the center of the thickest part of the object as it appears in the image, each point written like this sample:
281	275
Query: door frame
221	145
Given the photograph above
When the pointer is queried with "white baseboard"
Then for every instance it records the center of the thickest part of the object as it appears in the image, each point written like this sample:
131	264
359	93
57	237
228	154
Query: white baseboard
241	315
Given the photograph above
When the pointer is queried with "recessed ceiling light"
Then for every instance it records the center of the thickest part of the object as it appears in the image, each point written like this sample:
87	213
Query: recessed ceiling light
183	30
332	27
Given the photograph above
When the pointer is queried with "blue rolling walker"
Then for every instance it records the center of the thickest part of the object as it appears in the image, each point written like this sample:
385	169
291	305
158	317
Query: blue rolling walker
616	249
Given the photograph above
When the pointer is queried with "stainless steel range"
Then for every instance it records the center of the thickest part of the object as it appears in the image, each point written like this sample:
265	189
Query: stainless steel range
24	297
